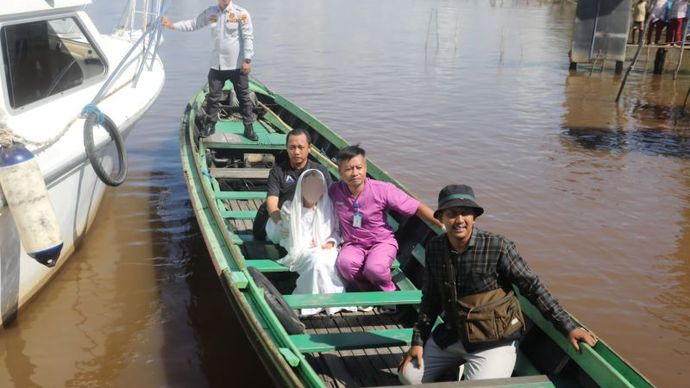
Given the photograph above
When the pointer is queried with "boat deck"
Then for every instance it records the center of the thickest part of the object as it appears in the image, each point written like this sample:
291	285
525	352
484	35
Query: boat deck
344	368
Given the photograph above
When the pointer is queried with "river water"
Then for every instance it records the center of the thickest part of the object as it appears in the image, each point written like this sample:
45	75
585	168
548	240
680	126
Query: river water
596	195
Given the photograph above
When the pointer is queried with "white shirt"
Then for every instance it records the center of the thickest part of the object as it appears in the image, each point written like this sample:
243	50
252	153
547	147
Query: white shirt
231	31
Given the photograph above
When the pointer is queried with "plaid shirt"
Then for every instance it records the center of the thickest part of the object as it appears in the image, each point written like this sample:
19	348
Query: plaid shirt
489	262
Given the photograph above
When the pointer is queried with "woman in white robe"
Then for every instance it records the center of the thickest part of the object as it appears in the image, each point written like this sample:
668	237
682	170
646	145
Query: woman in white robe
308	230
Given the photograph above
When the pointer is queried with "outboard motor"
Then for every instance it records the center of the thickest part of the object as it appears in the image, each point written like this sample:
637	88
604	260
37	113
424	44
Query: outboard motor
27	197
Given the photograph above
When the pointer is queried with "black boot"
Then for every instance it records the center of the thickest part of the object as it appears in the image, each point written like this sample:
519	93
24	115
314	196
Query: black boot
249	132
208	129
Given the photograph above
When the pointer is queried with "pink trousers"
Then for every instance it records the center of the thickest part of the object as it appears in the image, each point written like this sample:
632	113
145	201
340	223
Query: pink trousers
369	268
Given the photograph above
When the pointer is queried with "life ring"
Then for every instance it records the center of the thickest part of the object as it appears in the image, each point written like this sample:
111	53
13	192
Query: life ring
275	301
96	117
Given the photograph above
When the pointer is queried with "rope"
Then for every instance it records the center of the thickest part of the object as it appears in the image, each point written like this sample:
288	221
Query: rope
93	109
6	136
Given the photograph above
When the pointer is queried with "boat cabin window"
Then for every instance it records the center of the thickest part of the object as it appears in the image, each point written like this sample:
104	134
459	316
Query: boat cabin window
43	58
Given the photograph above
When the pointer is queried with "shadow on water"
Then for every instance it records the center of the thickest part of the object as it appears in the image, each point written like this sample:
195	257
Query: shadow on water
647	141
220	350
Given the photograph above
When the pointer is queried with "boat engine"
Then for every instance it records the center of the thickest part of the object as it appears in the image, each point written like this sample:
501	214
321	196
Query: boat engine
27	197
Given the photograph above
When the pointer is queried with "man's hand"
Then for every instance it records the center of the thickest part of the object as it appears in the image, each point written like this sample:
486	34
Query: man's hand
275	216
415	351
328	245
246	68
581	335
167	23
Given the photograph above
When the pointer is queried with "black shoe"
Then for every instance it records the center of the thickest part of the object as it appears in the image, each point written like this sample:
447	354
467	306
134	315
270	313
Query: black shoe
249	132
208	130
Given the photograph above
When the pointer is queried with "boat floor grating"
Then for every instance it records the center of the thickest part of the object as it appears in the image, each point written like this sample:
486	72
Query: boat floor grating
357	367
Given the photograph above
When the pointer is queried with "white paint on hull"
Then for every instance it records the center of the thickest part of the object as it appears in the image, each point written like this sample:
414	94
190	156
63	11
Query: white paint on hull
73	187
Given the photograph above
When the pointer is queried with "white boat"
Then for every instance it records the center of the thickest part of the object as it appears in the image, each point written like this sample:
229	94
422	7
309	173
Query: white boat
55	62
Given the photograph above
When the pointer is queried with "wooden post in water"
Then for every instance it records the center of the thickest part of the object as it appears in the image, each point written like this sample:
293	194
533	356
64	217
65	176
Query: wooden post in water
659	60
619	67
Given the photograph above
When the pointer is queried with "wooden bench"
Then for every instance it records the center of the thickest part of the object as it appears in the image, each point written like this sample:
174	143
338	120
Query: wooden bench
240	195
371	298
267	265
313	343
240	173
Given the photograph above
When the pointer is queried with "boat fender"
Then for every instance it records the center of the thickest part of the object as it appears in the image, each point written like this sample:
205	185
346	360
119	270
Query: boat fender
287	316
93	116
27	197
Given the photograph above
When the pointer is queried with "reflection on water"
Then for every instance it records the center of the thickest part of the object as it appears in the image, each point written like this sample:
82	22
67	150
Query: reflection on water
650	141
651	122
594	194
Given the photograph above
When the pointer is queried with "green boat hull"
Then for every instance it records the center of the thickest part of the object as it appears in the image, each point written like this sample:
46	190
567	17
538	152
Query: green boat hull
545	357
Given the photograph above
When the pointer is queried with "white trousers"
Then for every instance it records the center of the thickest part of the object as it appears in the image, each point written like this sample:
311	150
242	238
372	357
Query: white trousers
492	363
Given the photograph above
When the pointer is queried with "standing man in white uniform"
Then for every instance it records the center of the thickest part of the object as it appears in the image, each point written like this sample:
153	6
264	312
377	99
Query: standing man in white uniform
233	49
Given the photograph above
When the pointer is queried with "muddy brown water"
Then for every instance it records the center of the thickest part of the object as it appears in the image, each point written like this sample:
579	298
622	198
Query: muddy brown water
596	195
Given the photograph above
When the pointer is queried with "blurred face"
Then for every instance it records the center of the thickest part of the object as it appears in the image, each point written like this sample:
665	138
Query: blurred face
298	149
353	171
459	222
222	4
312	190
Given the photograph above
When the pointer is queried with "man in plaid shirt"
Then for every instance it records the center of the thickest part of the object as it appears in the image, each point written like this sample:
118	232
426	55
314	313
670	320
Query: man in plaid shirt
481	262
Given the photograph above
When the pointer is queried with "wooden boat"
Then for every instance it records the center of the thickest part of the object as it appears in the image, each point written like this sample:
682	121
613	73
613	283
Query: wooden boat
226	175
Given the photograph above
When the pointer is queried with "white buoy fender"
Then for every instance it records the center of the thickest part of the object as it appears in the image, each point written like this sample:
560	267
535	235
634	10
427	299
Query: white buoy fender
27	197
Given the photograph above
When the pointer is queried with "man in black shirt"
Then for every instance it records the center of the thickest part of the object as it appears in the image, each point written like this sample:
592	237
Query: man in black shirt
283	178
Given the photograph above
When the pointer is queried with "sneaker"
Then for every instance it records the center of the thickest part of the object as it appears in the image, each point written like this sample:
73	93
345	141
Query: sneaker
365	309
249	132
208	129
305	313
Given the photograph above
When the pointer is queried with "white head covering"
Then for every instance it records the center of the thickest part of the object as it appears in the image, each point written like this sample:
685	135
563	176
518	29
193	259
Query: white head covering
324	219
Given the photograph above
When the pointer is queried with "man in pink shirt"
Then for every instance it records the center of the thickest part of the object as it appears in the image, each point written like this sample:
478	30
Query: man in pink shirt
361	203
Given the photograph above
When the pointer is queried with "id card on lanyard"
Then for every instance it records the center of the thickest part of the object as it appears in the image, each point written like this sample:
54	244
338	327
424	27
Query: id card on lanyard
357	216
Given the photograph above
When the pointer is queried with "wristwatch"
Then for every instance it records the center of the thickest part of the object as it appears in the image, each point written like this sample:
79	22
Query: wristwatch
247	61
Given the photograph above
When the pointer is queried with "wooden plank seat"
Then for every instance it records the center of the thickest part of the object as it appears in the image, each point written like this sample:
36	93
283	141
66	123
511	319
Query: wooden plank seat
239	173
240	195
229	140
370	298
312	343
238	214
538	381
267	265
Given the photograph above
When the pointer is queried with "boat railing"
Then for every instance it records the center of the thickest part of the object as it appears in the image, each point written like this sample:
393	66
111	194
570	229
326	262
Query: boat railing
144	24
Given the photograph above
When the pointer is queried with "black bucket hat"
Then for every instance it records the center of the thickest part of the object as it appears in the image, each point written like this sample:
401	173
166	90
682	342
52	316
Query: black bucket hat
456	196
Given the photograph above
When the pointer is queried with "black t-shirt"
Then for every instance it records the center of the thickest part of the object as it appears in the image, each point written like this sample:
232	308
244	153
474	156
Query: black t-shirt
282	179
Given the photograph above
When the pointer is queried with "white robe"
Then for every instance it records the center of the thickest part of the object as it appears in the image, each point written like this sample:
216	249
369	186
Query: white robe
304	231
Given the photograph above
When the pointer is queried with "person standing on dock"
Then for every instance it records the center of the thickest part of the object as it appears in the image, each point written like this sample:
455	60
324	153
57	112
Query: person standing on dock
659	16
639	15
676	26
361	204
282	180
469	275
231	59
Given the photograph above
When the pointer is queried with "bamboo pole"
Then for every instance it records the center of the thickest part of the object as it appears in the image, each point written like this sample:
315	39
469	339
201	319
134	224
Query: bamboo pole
639	48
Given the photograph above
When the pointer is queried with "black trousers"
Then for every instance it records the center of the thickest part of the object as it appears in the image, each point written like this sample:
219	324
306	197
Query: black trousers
240	81
259	227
